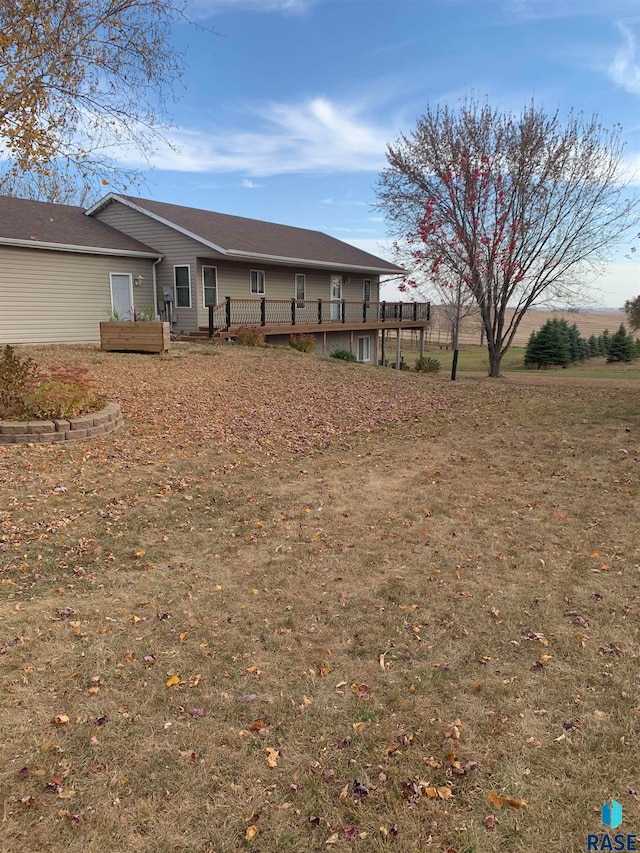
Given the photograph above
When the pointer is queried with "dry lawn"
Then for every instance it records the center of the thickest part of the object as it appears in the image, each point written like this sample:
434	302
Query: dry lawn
305	605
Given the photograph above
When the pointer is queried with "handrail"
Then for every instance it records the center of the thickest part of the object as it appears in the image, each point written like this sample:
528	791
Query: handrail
291	312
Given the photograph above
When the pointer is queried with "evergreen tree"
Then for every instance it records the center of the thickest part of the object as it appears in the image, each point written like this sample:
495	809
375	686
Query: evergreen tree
585	351
606	341
530	354
572	337
621	346
548	347
594	346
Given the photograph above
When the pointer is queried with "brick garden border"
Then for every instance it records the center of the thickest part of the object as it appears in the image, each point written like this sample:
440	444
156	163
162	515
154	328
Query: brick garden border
47	432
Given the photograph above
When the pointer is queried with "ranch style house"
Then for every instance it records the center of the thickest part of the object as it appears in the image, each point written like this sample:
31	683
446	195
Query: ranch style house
65	268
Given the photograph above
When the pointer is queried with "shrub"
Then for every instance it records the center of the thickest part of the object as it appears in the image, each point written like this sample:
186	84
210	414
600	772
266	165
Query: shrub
249	336
303	343
343	355
427	365
18	375
62	392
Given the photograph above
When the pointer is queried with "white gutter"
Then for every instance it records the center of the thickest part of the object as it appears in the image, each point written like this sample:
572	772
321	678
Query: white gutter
63	247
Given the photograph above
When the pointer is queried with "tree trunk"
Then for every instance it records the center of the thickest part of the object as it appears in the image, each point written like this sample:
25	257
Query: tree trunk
495	358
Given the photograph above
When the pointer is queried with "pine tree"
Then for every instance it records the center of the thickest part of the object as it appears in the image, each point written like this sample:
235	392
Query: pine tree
594	346
606	341
621	346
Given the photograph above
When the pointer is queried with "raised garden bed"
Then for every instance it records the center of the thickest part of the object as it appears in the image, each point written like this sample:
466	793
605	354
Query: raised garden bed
135	337
62	429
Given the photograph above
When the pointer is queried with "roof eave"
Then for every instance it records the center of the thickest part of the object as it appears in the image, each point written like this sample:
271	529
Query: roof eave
239	254
68	247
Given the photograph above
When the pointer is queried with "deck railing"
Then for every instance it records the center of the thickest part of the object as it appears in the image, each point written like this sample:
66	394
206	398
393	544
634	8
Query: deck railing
311	312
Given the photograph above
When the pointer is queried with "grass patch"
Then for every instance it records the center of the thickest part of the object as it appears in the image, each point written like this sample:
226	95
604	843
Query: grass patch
475	359
355	613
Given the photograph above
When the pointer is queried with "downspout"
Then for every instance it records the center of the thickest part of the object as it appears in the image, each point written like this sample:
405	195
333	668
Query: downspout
155	285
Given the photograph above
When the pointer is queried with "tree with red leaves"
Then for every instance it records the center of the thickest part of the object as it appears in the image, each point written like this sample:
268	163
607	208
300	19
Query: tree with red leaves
511	209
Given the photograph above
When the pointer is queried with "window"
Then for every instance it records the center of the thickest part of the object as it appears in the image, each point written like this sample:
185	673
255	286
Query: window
182	284
364	348
366	290
301	286
209	286
257	281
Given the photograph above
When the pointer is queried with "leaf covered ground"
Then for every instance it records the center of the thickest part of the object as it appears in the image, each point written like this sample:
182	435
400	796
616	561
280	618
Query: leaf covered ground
301	605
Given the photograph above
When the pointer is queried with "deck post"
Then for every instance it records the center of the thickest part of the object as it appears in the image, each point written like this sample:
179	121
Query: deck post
293	312
343	309
415	311
227	312
383	311
422	343
398	350
364	312
210	321
351	341
263	312
384	335
320	314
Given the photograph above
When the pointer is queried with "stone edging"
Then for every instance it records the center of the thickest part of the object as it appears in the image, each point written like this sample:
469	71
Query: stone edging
62	430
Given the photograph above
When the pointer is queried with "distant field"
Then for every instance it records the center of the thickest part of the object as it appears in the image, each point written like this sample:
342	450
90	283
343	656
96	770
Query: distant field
589	323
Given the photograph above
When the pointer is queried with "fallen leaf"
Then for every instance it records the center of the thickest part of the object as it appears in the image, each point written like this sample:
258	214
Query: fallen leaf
61	720
196	712
499	802
332	838
272	756
251	831
489	822
174	679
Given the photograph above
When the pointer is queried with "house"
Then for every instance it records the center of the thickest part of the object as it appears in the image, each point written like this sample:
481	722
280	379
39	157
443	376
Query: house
208	273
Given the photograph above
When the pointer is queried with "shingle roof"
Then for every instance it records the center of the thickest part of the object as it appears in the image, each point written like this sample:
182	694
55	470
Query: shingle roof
239	236
25	221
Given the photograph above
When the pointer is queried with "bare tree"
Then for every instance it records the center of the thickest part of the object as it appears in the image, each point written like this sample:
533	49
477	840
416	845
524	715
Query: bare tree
78	75
515	207
54	183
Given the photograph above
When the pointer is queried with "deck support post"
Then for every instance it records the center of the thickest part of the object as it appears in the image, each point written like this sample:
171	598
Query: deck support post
398	349
421	343
351	341
324	343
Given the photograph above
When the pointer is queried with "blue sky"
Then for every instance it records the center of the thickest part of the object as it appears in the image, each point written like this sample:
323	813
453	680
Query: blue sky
286	111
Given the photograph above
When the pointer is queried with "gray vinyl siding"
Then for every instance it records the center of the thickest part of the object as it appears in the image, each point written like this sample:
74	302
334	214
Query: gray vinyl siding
176	249
234	281
335	341
61	297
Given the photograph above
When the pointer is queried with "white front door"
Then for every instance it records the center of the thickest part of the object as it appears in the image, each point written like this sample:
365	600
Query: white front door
336	296
121	296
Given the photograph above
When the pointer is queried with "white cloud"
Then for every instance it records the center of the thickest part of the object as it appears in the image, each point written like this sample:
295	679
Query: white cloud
315	136
249	185
625	70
